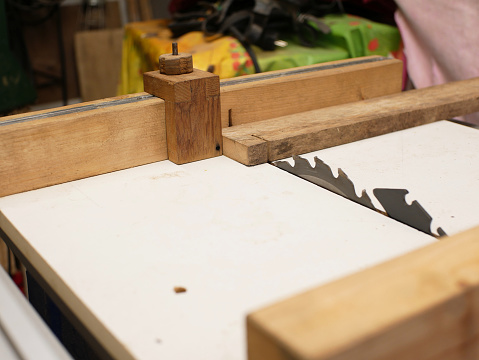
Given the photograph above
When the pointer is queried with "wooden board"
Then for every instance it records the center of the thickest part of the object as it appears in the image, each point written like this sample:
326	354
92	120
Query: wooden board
423	305
296	134
115	246
276	93
40	152
98	59
31	170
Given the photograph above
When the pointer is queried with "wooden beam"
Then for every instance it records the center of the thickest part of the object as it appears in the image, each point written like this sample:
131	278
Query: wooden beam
423	305
70	143
277	93
54	146
300	133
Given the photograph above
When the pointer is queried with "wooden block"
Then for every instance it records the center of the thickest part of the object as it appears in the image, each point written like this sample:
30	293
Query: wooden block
423	305
273	94
38	151
193	122
249	151
318	129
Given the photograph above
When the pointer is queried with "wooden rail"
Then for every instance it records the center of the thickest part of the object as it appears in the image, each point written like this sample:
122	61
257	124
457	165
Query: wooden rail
282	137
422	305
50	147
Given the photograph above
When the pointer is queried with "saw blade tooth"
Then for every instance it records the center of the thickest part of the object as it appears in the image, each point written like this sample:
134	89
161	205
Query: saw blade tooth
323	171
414	215
392	200
343	175
441	232
299	161
320	165
318	162
345	183
366	200
283	165
348	187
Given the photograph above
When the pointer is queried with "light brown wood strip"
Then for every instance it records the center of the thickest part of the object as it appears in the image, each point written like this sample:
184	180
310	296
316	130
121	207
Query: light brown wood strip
49	151
418	306
249	151
465	351
318	129
70	107
289	94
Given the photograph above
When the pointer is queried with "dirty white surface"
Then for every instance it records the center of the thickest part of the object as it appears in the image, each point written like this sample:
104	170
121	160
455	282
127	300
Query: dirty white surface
237	238
437	163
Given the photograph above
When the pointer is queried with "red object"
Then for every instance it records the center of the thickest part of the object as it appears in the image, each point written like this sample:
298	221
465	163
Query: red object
181	5
373	44
377	10
18	280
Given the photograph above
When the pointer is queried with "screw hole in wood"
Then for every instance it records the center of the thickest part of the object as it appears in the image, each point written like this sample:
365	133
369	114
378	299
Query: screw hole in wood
179	289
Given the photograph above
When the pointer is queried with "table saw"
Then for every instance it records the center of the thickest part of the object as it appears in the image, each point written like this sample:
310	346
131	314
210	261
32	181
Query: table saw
171	224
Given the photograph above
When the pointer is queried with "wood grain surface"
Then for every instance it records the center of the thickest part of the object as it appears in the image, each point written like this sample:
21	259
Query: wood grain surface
176	64
44	152
192	112
318	129
423	305
52	150
49	151
284	92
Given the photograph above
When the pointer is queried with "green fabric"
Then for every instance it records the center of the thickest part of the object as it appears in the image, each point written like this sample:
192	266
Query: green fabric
361	37
295	55
350	37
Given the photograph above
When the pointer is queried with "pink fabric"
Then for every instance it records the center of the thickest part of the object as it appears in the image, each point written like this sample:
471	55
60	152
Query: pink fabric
441	41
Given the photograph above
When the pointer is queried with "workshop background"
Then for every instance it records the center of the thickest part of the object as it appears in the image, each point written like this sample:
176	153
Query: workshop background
55	52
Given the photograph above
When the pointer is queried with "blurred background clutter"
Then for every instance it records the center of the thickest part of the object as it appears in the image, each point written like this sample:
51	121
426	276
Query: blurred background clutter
58	52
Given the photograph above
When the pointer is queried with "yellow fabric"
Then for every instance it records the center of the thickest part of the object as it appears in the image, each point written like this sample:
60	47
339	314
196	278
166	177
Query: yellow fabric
144	42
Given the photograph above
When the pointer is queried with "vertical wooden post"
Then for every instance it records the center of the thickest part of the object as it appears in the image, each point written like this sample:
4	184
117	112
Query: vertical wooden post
193	113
